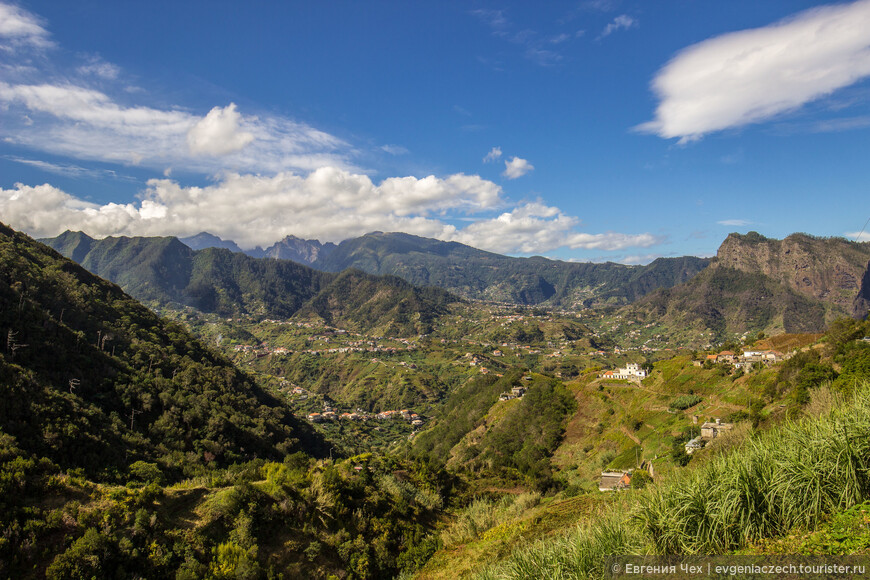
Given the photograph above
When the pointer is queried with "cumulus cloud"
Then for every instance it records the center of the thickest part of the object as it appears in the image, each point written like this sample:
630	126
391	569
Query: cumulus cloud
863	236
493	155
20	27
753	75
516	167
536	227
329	204
218	133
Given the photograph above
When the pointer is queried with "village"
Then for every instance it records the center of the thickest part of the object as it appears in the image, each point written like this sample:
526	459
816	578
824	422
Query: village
330	411
748	360
494	357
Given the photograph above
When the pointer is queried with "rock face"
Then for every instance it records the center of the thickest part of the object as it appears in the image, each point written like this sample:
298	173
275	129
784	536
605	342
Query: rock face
298	250
862	300
832	270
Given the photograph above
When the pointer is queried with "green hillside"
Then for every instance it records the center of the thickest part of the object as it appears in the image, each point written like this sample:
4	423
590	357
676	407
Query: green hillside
94	380
726	303
481	275
128	449
164	271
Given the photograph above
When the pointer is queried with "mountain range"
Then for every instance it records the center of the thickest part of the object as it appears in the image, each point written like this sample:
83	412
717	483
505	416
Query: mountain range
477	274
798	284
166	271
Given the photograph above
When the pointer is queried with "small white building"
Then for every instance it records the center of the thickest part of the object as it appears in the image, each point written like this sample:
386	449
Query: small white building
631	371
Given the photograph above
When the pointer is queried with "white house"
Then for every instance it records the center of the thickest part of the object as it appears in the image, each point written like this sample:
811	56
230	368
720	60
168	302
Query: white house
631	371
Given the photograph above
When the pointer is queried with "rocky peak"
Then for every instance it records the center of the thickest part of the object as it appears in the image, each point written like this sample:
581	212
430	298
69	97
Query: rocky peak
832	270
299	250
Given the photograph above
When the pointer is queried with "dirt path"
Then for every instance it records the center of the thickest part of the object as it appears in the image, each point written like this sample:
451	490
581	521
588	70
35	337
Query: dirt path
630	435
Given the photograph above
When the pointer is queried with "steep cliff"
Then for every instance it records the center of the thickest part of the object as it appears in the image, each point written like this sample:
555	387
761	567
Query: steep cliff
828	269
862	301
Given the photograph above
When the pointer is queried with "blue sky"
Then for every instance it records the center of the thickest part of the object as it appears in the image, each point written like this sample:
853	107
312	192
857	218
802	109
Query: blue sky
587	130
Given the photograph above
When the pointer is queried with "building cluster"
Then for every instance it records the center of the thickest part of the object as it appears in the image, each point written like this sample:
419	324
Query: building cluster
619	480
330	414
746	360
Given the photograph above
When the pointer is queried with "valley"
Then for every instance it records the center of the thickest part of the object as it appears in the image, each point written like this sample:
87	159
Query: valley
573	290
401	430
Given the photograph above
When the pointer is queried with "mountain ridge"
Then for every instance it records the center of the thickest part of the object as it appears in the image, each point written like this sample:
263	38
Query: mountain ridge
477	274
166	271
828	269
799	284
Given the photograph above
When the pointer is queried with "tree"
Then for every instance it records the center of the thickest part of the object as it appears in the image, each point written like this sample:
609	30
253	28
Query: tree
640	478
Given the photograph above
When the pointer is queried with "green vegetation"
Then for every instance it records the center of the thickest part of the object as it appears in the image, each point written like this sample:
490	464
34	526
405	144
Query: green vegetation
685	401
728	302
364	517
483	275
788	479
164	271
129	447
91	379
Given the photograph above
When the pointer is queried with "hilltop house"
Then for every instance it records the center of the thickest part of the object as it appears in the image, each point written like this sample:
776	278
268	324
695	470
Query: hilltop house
745	360
614	480
631	371
712	430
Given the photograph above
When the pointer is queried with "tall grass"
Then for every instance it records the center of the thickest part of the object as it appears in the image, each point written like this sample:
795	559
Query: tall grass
484	514
785	478
789	477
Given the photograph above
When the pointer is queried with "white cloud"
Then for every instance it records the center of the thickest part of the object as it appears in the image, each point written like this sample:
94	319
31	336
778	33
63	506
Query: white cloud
66	169
328	204
535	228
493	155
84	123
516	167
735	223
101	69
639	259
753	75
20	27
218	133
612	241
621	22
395	149
858	236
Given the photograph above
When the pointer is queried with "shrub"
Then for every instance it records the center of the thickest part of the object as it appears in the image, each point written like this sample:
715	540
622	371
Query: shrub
684	402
